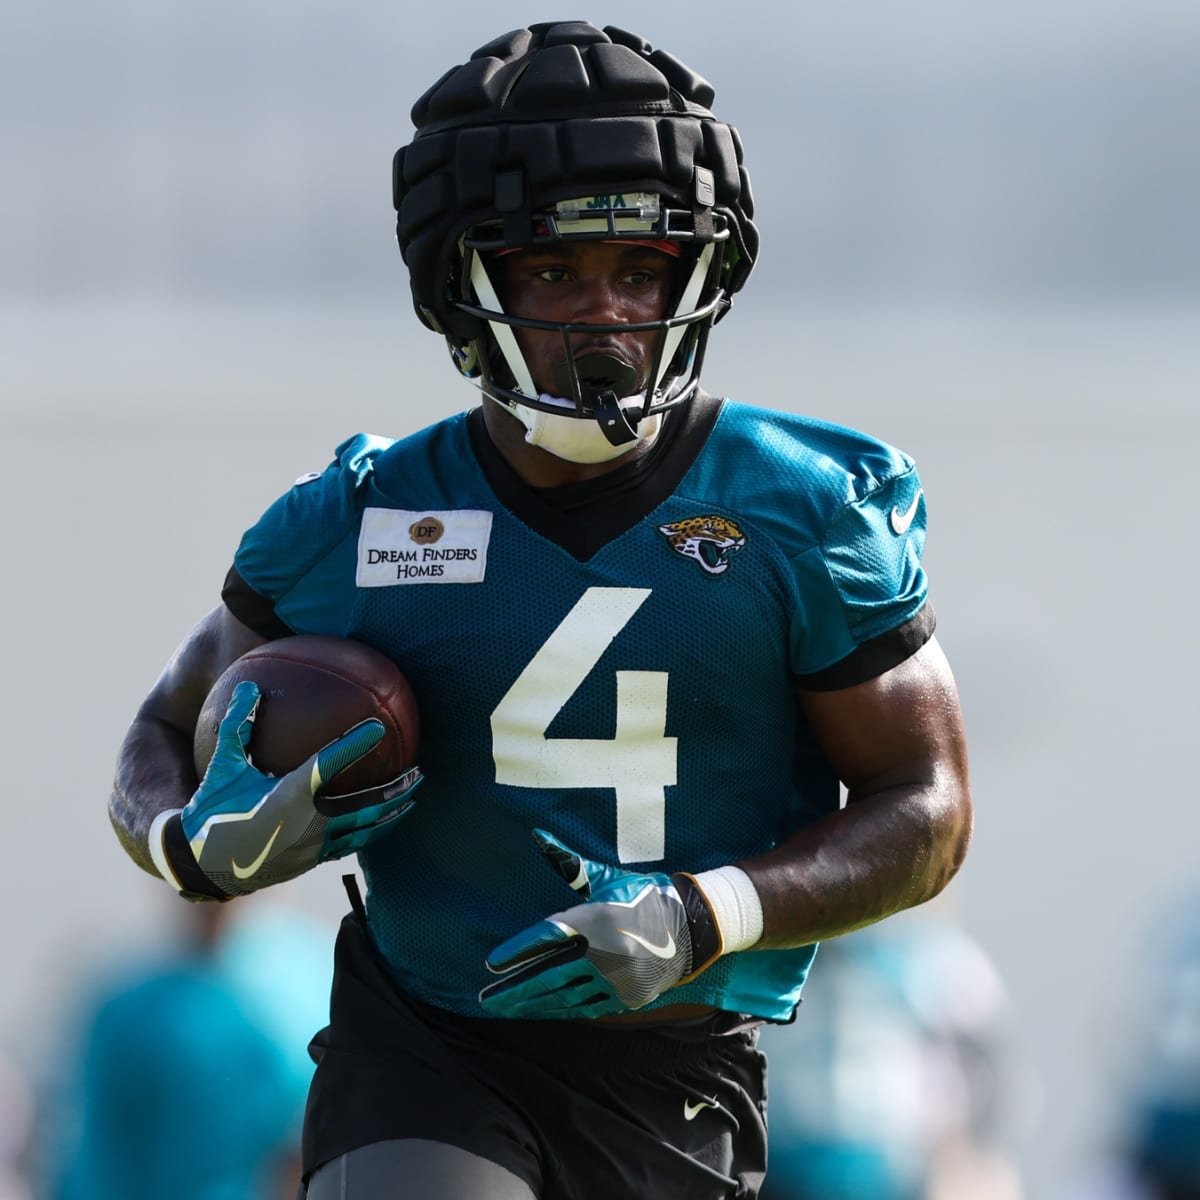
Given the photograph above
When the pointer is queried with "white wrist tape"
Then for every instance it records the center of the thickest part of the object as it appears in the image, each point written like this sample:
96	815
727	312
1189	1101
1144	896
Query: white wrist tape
157	854
735	905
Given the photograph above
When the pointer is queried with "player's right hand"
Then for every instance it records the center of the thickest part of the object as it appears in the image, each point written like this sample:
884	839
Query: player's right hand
244	830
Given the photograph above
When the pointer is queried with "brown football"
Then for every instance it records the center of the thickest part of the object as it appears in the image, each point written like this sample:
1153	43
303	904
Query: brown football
313	690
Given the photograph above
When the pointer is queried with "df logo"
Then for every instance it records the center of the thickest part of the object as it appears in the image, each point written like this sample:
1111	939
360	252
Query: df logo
426	530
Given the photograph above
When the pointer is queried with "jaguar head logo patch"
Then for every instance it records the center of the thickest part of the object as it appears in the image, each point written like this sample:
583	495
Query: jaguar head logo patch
709	541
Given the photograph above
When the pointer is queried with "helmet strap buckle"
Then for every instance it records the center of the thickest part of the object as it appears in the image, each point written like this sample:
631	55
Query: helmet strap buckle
613	419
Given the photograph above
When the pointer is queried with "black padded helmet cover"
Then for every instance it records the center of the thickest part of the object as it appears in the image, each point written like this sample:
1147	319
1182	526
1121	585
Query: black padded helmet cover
555	112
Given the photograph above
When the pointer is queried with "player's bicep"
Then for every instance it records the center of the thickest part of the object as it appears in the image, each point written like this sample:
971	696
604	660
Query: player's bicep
180	690
903	727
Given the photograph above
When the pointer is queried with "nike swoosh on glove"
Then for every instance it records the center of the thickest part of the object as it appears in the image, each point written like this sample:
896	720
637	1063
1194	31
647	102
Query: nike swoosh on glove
244	830
633	938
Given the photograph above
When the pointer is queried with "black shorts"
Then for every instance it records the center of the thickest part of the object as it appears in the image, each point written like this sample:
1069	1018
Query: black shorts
578	1110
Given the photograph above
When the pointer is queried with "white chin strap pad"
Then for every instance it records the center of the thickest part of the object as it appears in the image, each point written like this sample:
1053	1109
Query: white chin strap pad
580	439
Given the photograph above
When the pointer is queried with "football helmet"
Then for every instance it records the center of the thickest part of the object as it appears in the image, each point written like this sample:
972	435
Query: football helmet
567	131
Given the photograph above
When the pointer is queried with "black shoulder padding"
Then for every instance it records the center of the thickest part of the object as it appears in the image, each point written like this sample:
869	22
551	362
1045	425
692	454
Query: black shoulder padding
537	115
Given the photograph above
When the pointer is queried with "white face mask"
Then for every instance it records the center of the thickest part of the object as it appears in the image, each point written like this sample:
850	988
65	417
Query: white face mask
578	439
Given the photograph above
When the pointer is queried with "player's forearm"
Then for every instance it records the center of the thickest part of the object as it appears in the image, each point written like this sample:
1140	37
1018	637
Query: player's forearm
879	855
154	773
155	769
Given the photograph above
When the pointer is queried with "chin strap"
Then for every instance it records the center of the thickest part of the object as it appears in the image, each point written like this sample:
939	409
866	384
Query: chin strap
577	441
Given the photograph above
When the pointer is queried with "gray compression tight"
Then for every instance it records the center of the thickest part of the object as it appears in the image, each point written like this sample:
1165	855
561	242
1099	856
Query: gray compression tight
417	1168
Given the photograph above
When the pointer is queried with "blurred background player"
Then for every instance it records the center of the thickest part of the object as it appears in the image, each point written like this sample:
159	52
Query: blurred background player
896	1080
187	1072
1163	1137
1154	1149
649	631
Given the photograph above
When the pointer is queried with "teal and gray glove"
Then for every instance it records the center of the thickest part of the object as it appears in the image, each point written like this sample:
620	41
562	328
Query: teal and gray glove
635	937
244	830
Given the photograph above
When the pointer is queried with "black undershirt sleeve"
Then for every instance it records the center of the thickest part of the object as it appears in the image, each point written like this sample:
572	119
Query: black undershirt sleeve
253	609
873	658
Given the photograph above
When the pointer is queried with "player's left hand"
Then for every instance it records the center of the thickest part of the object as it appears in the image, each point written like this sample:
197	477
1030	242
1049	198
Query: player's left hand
635	937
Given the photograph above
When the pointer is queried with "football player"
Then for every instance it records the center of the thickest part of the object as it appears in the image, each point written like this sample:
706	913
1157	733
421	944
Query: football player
651	632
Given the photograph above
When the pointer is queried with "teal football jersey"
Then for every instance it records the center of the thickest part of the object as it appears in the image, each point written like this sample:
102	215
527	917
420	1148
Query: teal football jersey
615	662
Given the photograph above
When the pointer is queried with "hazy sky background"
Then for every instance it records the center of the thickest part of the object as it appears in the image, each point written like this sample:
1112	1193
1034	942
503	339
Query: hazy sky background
922	149
980	241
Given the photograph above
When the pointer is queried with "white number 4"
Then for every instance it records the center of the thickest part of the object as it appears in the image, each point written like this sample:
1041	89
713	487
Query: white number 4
638	762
